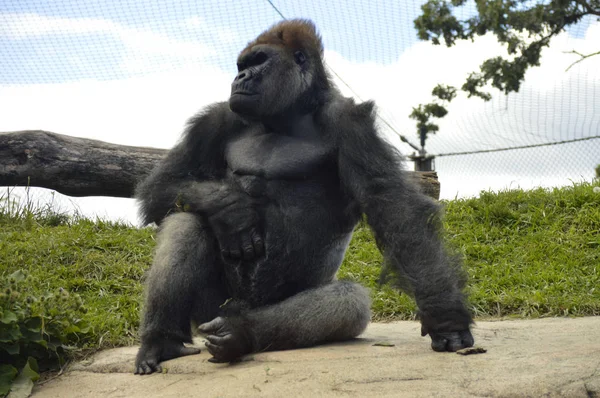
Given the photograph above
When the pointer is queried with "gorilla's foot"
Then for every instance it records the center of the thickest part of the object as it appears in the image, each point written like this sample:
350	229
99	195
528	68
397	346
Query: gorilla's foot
451	341
152	353
227	340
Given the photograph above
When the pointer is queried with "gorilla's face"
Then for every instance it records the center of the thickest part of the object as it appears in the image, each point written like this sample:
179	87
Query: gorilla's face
270	80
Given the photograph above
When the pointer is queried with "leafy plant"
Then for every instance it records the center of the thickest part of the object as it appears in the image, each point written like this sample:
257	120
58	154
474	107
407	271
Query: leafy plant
436	109
36	330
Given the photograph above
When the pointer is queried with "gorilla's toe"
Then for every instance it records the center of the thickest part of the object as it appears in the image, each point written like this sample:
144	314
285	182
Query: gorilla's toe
451	341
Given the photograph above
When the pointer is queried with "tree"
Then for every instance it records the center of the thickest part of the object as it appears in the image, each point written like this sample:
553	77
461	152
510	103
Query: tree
525	27
423	113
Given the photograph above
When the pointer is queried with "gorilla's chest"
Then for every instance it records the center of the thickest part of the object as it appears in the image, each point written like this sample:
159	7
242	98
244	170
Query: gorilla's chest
277	157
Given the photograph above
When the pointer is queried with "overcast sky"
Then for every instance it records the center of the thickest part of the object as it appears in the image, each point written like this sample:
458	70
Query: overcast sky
132	72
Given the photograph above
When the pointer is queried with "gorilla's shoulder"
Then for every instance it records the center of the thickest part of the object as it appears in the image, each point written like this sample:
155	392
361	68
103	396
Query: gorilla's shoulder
344	117
215	119
338	108
218	113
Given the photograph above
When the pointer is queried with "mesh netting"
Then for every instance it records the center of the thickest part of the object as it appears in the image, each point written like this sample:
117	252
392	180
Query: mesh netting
131	72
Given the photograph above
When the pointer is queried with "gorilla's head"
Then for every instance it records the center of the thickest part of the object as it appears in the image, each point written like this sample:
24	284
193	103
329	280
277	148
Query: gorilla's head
280	71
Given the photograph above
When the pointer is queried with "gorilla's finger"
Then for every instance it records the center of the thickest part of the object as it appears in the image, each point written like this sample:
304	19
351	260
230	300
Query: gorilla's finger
438	343
454	343
212	326
148	367
215	350
184	351
224	253
216	339
467	338
176	350
234	248
215	360
451	341
257	242
225	245
247	247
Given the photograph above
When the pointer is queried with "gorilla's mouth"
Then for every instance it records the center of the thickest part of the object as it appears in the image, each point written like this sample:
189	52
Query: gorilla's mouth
246	93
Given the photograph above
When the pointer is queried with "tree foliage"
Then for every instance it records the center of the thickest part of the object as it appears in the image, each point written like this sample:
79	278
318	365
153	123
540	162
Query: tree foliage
525	27
437	109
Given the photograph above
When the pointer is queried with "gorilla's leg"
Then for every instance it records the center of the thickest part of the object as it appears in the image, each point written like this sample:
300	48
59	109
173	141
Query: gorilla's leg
333	312
183	284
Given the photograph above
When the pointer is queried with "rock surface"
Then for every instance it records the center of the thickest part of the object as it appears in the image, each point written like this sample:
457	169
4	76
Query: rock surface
551	357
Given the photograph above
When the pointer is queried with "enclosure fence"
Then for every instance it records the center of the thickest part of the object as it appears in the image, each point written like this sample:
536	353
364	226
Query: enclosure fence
158	53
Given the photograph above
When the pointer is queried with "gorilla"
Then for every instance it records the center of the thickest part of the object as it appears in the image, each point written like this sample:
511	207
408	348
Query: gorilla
256	206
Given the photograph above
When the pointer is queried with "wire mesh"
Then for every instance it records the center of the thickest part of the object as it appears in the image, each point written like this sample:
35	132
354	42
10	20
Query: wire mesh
165	59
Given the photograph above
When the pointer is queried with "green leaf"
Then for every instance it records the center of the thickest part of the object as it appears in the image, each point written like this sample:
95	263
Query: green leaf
10	348
31	335
71	329
34	324
384	344
435	110
18	276
7	375
23	384
21	387
10	334
444	92
8	317
41	342
31	369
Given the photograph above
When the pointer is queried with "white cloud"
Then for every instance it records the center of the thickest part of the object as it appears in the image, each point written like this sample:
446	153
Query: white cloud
149	110
140	44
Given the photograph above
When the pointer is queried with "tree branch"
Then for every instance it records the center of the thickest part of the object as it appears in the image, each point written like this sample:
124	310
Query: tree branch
583	56
588	8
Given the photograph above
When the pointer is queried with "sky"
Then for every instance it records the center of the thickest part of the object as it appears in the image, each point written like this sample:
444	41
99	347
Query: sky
132	73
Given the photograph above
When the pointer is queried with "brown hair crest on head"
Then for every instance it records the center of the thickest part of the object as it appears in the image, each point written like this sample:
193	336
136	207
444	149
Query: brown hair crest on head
293	34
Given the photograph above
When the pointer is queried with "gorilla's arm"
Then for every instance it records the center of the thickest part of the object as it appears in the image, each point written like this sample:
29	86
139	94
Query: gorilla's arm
191	175
406	224
192	178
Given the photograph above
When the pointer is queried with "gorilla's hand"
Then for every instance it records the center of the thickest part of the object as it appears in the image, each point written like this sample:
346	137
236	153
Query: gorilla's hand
151	354
232	215
227	340
236	230
449	341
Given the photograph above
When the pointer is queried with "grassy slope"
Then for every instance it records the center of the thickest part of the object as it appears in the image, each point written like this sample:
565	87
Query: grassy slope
533	253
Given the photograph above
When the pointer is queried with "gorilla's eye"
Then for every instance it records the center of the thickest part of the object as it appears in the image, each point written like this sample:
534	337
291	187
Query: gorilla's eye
260	58
299	57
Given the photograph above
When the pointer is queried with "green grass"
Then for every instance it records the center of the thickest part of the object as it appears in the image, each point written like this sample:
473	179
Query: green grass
103	262
533	253
528	254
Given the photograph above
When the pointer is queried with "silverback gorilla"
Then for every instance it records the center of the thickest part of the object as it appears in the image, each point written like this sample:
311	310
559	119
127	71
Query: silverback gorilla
256	206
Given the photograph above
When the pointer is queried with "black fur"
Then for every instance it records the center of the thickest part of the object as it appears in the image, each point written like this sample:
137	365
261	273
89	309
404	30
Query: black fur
257	207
